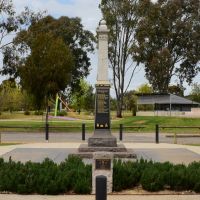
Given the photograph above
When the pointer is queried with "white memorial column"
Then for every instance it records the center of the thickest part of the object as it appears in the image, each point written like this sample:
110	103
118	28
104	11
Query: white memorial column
102	75
102	134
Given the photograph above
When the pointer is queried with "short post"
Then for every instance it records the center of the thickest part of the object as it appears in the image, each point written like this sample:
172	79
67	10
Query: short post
101	187
120	132
175	138
47	124
83	131
47	132
157	133
0	137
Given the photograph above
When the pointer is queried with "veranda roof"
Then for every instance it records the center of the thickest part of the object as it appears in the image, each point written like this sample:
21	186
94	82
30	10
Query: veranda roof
166	98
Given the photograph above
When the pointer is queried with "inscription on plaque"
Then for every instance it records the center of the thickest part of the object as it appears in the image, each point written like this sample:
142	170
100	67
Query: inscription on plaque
103	164
102	117
102	101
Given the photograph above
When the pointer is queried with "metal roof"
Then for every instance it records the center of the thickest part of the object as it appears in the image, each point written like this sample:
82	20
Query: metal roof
163	99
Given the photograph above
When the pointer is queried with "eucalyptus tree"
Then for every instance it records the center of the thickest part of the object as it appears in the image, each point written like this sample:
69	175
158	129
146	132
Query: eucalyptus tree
168	41
121	19
47	70
50	56
11	22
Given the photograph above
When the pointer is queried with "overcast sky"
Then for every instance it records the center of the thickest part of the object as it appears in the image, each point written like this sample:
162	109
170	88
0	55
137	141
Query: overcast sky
90	14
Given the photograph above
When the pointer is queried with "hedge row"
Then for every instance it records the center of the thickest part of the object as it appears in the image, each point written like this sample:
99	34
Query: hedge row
46	177
73	175
156	176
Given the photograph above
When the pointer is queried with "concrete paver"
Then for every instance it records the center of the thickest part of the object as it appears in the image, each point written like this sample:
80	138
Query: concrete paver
176	156
58	152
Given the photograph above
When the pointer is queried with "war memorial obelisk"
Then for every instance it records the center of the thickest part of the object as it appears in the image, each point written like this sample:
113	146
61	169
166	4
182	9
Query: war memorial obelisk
102	139
102	134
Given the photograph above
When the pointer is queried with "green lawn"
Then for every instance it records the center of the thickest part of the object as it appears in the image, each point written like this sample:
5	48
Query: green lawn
149	122
9	144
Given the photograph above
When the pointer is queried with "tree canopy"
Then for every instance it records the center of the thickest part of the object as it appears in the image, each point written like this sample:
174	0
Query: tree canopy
50	56
47	70
84	98
144	89
168	35
11	22
12	98
195	93
70	30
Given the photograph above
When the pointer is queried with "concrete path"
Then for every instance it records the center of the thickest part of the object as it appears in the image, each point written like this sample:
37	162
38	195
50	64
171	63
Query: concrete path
92	197
58	152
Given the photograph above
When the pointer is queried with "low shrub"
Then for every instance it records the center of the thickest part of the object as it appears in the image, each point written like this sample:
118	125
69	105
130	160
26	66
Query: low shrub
152	179
38	112
193	176
156	176
62	113
130	172
73	175
178	177
46	177
26	112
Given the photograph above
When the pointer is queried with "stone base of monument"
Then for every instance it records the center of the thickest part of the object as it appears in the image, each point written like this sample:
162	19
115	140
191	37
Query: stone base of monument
120	151
102	138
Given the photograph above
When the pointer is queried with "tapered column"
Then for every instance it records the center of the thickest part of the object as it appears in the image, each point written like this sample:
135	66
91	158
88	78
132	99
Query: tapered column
102	134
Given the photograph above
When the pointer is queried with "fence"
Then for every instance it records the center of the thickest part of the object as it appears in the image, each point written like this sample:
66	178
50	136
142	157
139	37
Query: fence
46	128
83	129
158	127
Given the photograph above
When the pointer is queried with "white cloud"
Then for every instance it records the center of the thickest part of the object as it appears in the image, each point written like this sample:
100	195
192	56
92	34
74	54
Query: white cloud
87	10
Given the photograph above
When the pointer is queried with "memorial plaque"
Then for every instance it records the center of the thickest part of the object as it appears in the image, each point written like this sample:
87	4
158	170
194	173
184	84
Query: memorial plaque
102	119
103	164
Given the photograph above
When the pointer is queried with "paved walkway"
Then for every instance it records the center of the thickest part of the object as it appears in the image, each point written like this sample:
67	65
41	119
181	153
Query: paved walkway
58	152
92	197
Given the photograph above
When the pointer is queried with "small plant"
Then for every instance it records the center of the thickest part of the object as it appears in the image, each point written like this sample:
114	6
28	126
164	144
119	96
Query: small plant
193	176
26	112
130	173
38	112
46	177
178	178
62	113
152	179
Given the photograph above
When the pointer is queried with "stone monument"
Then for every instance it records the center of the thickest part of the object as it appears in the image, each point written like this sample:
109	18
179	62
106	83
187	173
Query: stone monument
102	139
102	134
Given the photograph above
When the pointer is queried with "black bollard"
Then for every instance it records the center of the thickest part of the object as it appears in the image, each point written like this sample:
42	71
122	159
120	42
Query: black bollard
120	132
47	124
157	133
101	188
47	131
83	131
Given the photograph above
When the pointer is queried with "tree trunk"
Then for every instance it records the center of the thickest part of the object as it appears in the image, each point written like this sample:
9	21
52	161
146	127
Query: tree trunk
119	107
